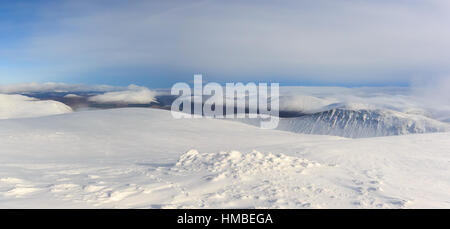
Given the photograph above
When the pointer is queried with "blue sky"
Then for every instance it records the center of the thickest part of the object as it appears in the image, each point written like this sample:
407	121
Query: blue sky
158	43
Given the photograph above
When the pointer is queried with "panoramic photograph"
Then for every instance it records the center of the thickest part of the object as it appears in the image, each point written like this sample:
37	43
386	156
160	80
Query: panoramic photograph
205	104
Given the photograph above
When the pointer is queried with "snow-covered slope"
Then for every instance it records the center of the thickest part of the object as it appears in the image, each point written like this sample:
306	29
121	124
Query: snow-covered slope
358	121
19	106
142	158
362	123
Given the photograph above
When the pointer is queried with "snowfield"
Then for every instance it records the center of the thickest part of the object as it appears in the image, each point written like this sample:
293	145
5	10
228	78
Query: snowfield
143	158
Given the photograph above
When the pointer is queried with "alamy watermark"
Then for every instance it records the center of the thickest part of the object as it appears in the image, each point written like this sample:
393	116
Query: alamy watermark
235	100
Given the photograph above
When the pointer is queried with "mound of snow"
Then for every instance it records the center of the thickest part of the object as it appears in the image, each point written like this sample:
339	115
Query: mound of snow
236	164
19	106
254	179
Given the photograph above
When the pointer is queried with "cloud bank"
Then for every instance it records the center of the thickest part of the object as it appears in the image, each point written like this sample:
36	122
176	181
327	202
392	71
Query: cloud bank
323	41
54	87
131	94
134	95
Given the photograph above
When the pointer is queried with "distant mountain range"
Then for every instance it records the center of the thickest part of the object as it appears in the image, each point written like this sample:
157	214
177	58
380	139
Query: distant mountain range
346	120
358	123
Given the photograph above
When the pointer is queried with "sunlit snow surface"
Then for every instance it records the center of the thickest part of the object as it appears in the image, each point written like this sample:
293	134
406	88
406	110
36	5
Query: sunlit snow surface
143	158
19	106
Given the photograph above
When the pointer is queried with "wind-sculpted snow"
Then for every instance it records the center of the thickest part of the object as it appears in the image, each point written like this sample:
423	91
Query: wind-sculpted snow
241	165
246	179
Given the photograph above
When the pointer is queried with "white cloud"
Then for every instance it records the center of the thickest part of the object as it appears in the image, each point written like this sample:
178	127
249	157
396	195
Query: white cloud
321	41
430	98
125	95
434	94
303	103
134	95
312	99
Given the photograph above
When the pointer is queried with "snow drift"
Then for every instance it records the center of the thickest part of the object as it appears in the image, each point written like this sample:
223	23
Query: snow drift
19	106
241	165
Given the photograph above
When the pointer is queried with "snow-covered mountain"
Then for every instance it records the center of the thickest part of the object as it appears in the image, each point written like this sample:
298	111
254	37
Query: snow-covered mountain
19	106
359	121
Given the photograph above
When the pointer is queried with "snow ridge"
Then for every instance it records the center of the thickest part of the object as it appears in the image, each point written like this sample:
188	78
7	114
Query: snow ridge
362	123
359	121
